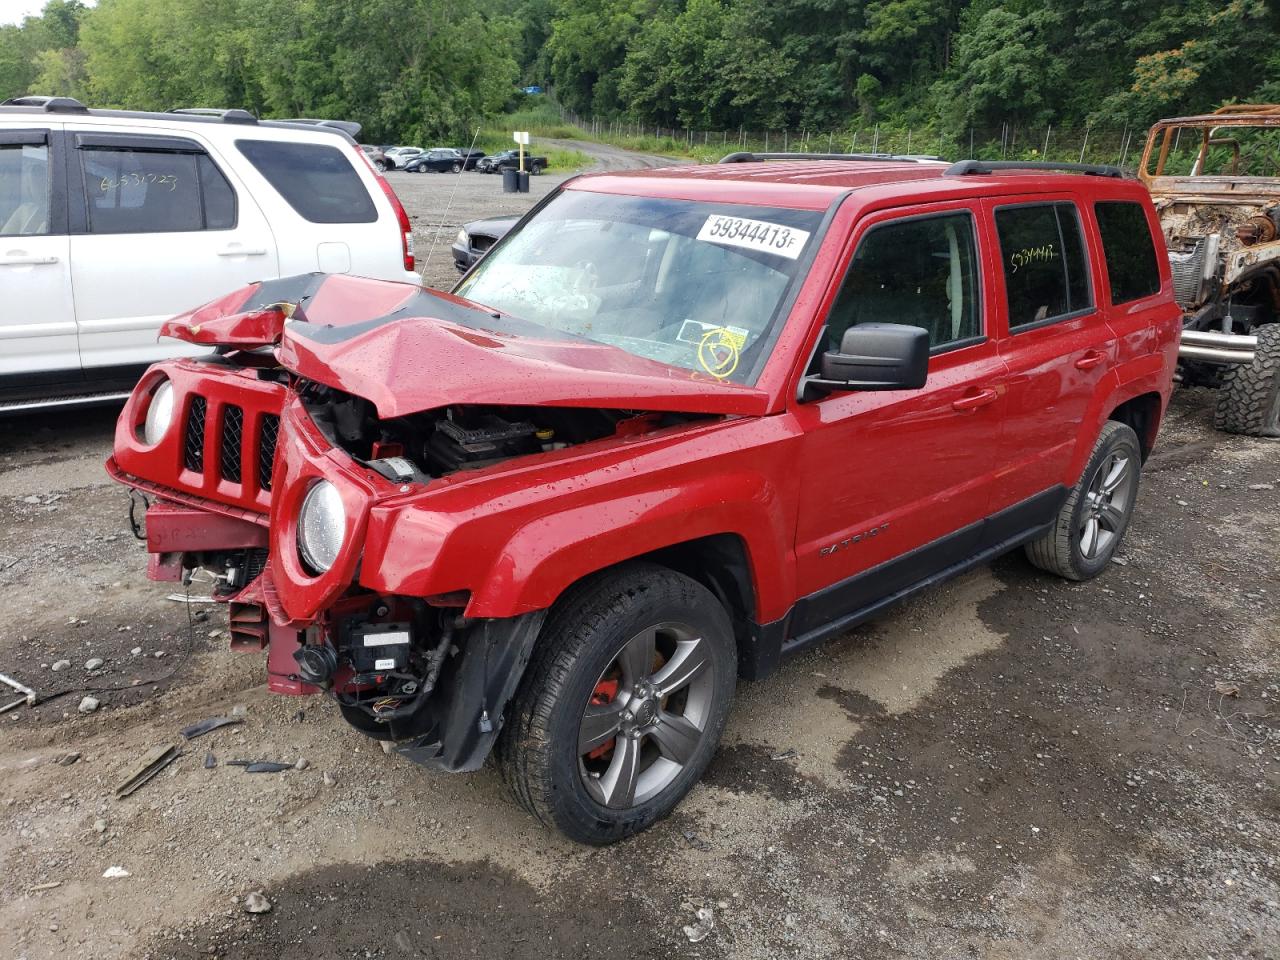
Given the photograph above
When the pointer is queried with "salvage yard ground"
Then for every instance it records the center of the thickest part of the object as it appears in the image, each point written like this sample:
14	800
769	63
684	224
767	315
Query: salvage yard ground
1009	766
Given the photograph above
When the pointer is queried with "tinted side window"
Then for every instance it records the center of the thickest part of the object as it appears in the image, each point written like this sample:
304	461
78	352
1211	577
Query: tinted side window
151	191
920	272
1129	251
24	190
1046	274
317	180
219	198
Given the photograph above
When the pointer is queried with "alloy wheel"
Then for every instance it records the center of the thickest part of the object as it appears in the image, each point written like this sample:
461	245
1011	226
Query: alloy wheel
646	715
1106	504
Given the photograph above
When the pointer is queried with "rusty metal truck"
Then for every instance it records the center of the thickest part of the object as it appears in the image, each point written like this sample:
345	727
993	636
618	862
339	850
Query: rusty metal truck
1215	180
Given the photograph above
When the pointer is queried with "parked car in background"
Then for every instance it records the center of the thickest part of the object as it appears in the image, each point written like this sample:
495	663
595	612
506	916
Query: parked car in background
677	425
470	157
510	160
397	157
1215	180
476	238
111	222
436	160
376	157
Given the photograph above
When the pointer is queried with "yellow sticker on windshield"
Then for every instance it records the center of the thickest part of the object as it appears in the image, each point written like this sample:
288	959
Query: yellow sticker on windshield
718	351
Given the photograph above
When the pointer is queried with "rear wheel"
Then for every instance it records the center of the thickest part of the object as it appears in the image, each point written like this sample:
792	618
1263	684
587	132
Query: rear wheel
457	167
1249	398
1097	512
535	168
623	704
380	166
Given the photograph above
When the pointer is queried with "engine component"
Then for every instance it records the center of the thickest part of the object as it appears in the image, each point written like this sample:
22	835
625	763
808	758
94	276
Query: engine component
316	663
1257	229
488	439
380	648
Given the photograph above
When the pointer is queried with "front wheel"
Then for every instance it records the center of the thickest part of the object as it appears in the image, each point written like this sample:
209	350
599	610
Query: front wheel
1093	521
457	168
623	705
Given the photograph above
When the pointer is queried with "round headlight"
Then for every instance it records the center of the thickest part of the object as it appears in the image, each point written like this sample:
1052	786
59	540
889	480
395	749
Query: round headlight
463	238
159	414
322	524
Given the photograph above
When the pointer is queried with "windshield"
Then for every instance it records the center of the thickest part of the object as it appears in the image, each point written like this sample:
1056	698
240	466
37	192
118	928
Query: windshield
693	285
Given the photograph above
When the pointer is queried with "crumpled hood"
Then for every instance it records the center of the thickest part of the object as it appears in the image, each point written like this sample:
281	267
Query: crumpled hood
407	349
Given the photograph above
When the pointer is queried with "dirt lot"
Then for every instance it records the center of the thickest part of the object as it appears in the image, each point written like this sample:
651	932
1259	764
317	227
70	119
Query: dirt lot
1010	766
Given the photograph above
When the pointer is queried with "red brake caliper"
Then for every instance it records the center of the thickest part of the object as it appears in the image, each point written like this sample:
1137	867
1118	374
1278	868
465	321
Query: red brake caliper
604	693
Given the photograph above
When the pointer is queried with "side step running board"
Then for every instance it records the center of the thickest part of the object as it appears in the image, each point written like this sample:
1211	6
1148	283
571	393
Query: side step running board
52	403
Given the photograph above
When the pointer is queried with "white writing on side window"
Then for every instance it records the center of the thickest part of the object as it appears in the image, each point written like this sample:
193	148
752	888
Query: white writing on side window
754	235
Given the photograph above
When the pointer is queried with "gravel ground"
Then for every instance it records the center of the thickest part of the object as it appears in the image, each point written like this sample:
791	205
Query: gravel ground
1009	766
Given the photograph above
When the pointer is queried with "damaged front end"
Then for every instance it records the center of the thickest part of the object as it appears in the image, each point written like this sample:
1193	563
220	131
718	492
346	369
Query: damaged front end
316	473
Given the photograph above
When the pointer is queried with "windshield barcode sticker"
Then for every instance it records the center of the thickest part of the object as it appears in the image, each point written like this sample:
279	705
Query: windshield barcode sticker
754	235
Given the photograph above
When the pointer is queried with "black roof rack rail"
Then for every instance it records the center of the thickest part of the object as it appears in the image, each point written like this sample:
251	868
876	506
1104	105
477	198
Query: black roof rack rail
48	104
233	115
746	156
964	168
350	127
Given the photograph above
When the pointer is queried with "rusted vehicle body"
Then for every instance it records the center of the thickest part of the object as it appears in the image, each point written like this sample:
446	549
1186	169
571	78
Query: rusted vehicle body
1215	180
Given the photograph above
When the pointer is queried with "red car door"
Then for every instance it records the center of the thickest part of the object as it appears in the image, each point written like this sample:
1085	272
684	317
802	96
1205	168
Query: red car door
895	485
1053	337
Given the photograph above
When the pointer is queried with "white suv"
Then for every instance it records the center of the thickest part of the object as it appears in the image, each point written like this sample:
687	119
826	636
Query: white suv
113	221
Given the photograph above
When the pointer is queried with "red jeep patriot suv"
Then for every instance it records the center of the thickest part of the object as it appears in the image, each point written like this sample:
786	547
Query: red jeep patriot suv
675	425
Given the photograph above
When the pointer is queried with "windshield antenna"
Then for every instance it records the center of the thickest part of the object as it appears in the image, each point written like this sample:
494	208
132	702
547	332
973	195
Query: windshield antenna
435	234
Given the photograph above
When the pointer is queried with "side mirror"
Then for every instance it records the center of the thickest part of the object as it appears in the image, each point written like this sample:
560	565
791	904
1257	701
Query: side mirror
876	356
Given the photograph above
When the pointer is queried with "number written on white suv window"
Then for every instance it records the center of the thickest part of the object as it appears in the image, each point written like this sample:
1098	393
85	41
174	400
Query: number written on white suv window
144	191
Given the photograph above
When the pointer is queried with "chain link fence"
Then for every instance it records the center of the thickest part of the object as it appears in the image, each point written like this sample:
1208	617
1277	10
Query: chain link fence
1120	145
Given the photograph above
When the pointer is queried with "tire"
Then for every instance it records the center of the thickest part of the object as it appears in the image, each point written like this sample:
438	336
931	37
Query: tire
535	168
1249	398
380	166
585	714
457	168
1093	520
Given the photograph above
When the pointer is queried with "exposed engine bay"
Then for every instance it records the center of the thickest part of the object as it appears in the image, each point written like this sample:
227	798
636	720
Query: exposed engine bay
436	443
1226	258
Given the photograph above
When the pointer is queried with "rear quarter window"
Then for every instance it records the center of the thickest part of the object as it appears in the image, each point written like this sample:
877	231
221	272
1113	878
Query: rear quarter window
315	179
1129	250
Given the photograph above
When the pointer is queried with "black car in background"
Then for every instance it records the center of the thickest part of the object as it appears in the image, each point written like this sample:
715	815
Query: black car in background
470	157
510	160
475	238
436	160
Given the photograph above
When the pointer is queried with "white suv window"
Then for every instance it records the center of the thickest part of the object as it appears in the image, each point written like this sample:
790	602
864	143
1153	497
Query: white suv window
142	191
317	180
24	189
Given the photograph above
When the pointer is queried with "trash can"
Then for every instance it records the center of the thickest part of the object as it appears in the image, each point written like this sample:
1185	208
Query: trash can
523	184
511	181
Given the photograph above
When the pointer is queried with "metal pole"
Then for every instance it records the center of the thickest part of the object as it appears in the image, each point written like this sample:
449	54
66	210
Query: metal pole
1085	143
1048	130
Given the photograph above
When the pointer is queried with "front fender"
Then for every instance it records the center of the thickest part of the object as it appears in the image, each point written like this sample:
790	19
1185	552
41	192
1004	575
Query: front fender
514	541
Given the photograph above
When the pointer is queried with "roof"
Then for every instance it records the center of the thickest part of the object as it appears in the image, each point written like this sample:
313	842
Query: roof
67	108
816	184
1235	114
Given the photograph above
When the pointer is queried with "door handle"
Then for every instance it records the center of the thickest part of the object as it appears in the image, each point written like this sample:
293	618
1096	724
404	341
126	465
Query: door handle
242	252
973	401
1090	360
20	260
